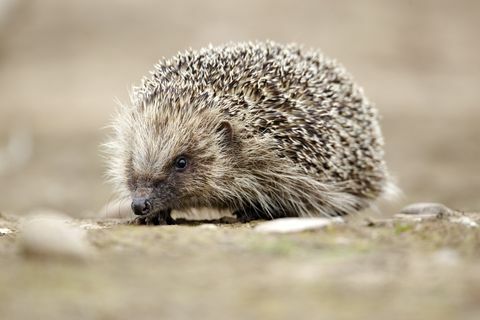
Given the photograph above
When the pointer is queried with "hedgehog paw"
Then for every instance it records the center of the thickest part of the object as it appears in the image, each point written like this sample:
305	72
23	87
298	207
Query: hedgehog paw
148	220
159	218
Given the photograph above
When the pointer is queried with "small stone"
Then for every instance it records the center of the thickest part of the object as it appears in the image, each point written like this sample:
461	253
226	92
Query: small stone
426	208
207	226
291	225
46	234
4	231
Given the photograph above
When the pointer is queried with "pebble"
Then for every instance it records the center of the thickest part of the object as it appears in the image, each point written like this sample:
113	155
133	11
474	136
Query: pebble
53	235
4	231
427	211
208	226
426	208
291	225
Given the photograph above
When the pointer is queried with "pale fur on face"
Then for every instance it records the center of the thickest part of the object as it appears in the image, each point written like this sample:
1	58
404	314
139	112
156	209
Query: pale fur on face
149	138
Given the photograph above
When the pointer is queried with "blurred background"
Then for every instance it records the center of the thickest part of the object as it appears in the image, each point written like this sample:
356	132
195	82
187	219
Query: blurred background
63	64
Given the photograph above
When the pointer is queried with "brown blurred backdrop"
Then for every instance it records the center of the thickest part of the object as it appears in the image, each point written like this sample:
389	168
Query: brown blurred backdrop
62	63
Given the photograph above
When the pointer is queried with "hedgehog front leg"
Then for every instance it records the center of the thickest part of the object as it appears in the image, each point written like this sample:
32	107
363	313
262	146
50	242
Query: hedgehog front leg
163	217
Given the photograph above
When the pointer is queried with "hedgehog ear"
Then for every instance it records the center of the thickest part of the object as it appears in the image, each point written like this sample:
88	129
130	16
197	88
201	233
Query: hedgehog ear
226	130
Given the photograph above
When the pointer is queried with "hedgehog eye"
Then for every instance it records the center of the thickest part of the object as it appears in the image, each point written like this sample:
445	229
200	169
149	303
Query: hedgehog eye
181	163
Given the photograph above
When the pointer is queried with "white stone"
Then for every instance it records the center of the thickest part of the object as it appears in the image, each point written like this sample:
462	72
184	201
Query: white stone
47	234
208	226
426	208
4	231
290	225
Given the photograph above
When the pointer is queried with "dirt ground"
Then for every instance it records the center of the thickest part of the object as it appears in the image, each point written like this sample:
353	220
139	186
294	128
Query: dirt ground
63	64
350	271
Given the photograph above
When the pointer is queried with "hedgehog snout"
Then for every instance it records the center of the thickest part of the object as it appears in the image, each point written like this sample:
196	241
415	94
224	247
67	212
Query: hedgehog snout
141	206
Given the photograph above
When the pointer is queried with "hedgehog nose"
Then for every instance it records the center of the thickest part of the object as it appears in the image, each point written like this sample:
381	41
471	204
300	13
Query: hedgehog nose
141	206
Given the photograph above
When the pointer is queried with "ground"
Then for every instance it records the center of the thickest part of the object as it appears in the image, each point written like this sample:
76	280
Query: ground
62	63
357	270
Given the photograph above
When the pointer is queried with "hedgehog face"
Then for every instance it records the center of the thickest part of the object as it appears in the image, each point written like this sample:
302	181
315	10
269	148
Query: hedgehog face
176	159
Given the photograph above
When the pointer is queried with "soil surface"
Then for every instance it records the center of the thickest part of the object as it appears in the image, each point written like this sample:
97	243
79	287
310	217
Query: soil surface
356	270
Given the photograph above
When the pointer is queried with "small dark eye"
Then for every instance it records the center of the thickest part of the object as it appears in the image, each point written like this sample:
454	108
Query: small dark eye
181	163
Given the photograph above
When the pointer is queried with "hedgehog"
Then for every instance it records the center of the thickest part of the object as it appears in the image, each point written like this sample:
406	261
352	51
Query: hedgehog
263	130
